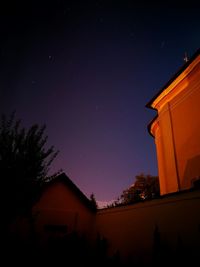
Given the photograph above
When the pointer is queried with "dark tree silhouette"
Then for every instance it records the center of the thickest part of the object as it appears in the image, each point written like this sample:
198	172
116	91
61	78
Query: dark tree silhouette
145	187
93	201
24	166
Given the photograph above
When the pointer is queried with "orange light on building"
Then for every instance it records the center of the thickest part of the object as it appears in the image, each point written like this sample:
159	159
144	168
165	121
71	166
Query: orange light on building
177	128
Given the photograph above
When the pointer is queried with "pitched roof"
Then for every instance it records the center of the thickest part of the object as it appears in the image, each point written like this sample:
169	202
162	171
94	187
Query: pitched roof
63	178
149	104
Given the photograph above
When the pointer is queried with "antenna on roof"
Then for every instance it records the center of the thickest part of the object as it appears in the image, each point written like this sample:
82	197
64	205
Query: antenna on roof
186	57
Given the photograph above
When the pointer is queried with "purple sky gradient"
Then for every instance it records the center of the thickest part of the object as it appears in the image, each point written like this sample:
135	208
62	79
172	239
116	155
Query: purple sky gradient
87	70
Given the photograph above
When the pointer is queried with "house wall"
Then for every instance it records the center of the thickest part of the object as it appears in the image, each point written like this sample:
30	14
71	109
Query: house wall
177	133
185	112
130	229
60	211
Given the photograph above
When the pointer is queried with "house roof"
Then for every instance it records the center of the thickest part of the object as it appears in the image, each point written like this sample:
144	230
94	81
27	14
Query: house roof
149	104
63	178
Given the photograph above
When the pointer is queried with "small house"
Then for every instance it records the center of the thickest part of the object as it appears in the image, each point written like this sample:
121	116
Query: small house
63	209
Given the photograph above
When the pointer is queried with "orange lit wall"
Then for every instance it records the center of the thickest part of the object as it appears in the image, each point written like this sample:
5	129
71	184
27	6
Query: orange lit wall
130	229
177	130
59	206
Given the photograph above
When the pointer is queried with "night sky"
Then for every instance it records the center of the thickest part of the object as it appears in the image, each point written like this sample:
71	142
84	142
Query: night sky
87	70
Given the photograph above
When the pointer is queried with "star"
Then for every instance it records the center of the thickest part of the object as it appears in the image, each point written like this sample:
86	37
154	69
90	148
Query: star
162	44
101	20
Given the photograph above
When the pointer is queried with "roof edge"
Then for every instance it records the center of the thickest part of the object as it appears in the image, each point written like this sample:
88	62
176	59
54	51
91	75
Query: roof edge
149	104
66	180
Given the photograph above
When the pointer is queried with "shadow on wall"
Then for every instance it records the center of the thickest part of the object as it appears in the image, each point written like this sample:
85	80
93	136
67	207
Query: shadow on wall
72	249
192	172
181	254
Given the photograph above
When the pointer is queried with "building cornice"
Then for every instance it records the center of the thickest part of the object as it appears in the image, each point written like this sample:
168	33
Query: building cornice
174	81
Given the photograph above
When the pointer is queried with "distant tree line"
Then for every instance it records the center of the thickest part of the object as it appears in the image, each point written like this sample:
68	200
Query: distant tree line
145	187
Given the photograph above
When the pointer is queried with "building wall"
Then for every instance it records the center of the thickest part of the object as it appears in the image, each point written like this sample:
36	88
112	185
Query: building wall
130	229
177	133
185	110
60	211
